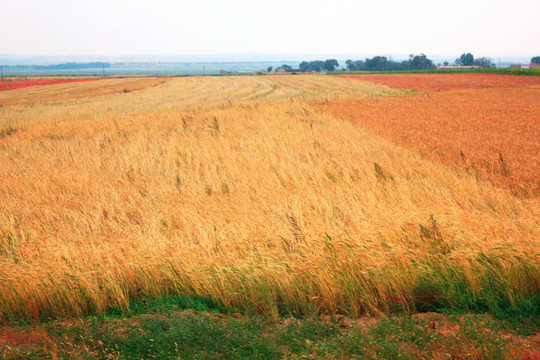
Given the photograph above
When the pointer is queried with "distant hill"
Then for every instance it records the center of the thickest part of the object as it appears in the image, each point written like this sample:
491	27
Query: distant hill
74	65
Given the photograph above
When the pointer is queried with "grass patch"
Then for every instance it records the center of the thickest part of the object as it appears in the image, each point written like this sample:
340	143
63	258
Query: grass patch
168	304
201	335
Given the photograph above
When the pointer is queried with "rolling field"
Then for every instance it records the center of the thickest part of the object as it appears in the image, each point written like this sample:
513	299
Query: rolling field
277	195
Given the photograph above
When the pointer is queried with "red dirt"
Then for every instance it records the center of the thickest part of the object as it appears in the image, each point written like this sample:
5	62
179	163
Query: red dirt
30	336
438	82
18	84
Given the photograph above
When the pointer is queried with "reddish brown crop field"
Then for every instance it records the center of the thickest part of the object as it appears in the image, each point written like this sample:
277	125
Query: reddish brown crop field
492	133
434	82
18	84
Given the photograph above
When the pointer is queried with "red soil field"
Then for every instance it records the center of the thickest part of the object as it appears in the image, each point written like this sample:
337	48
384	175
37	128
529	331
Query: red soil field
18	84
491	133
435	82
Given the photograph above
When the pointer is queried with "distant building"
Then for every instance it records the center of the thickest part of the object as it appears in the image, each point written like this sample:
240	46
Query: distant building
225	72
526	65
459	67
290	70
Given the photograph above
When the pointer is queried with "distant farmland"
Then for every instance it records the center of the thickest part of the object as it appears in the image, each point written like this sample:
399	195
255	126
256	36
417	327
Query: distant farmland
274	194
18	84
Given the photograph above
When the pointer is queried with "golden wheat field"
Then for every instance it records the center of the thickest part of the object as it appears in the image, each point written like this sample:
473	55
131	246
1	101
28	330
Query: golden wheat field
242	190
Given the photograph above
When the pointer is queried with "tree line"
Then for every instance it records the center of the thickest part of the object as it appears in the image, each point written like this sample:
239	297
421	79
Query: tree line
469	60
382	63
377	63
307	66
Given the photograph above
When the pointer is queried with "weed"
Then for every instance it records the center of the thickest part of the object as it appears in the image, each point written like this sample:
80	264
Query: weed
7	131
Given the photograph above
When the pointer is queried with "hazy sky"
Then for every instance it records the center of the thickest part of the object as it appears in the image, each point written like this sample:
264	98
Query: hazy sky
122	27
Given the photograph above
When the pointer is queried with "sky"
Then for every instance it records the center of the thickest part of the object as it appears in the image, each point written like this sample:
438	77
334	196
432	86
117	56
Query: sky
383	27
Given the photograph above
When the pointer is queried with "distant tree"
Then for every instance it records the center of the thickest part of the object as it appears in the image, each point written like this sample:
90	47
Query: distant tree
286	67
360	65
269	69
357	65
465	60
418	62
382	63
483	62
316	65
445	63
535	60
377	63
330	64
304	66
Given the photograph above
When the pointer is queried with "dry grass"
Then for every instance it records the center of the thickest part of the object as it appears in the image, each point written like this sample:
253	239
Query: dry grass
233	189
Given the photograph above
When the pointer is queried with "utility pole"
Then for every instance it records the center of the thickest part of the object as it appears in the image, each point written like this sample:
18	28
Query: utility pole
103	69
203	69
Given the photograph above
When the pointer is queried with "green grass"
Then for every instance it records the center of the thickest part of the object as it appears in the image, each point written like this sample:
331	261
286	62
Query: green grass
203	335
137	306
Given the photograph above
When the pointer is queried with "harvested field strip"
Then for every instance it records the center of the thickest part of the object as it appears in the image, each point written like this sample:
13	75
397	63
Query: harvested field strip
82	101
493	134
19	84
68	90
437	82
274	207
